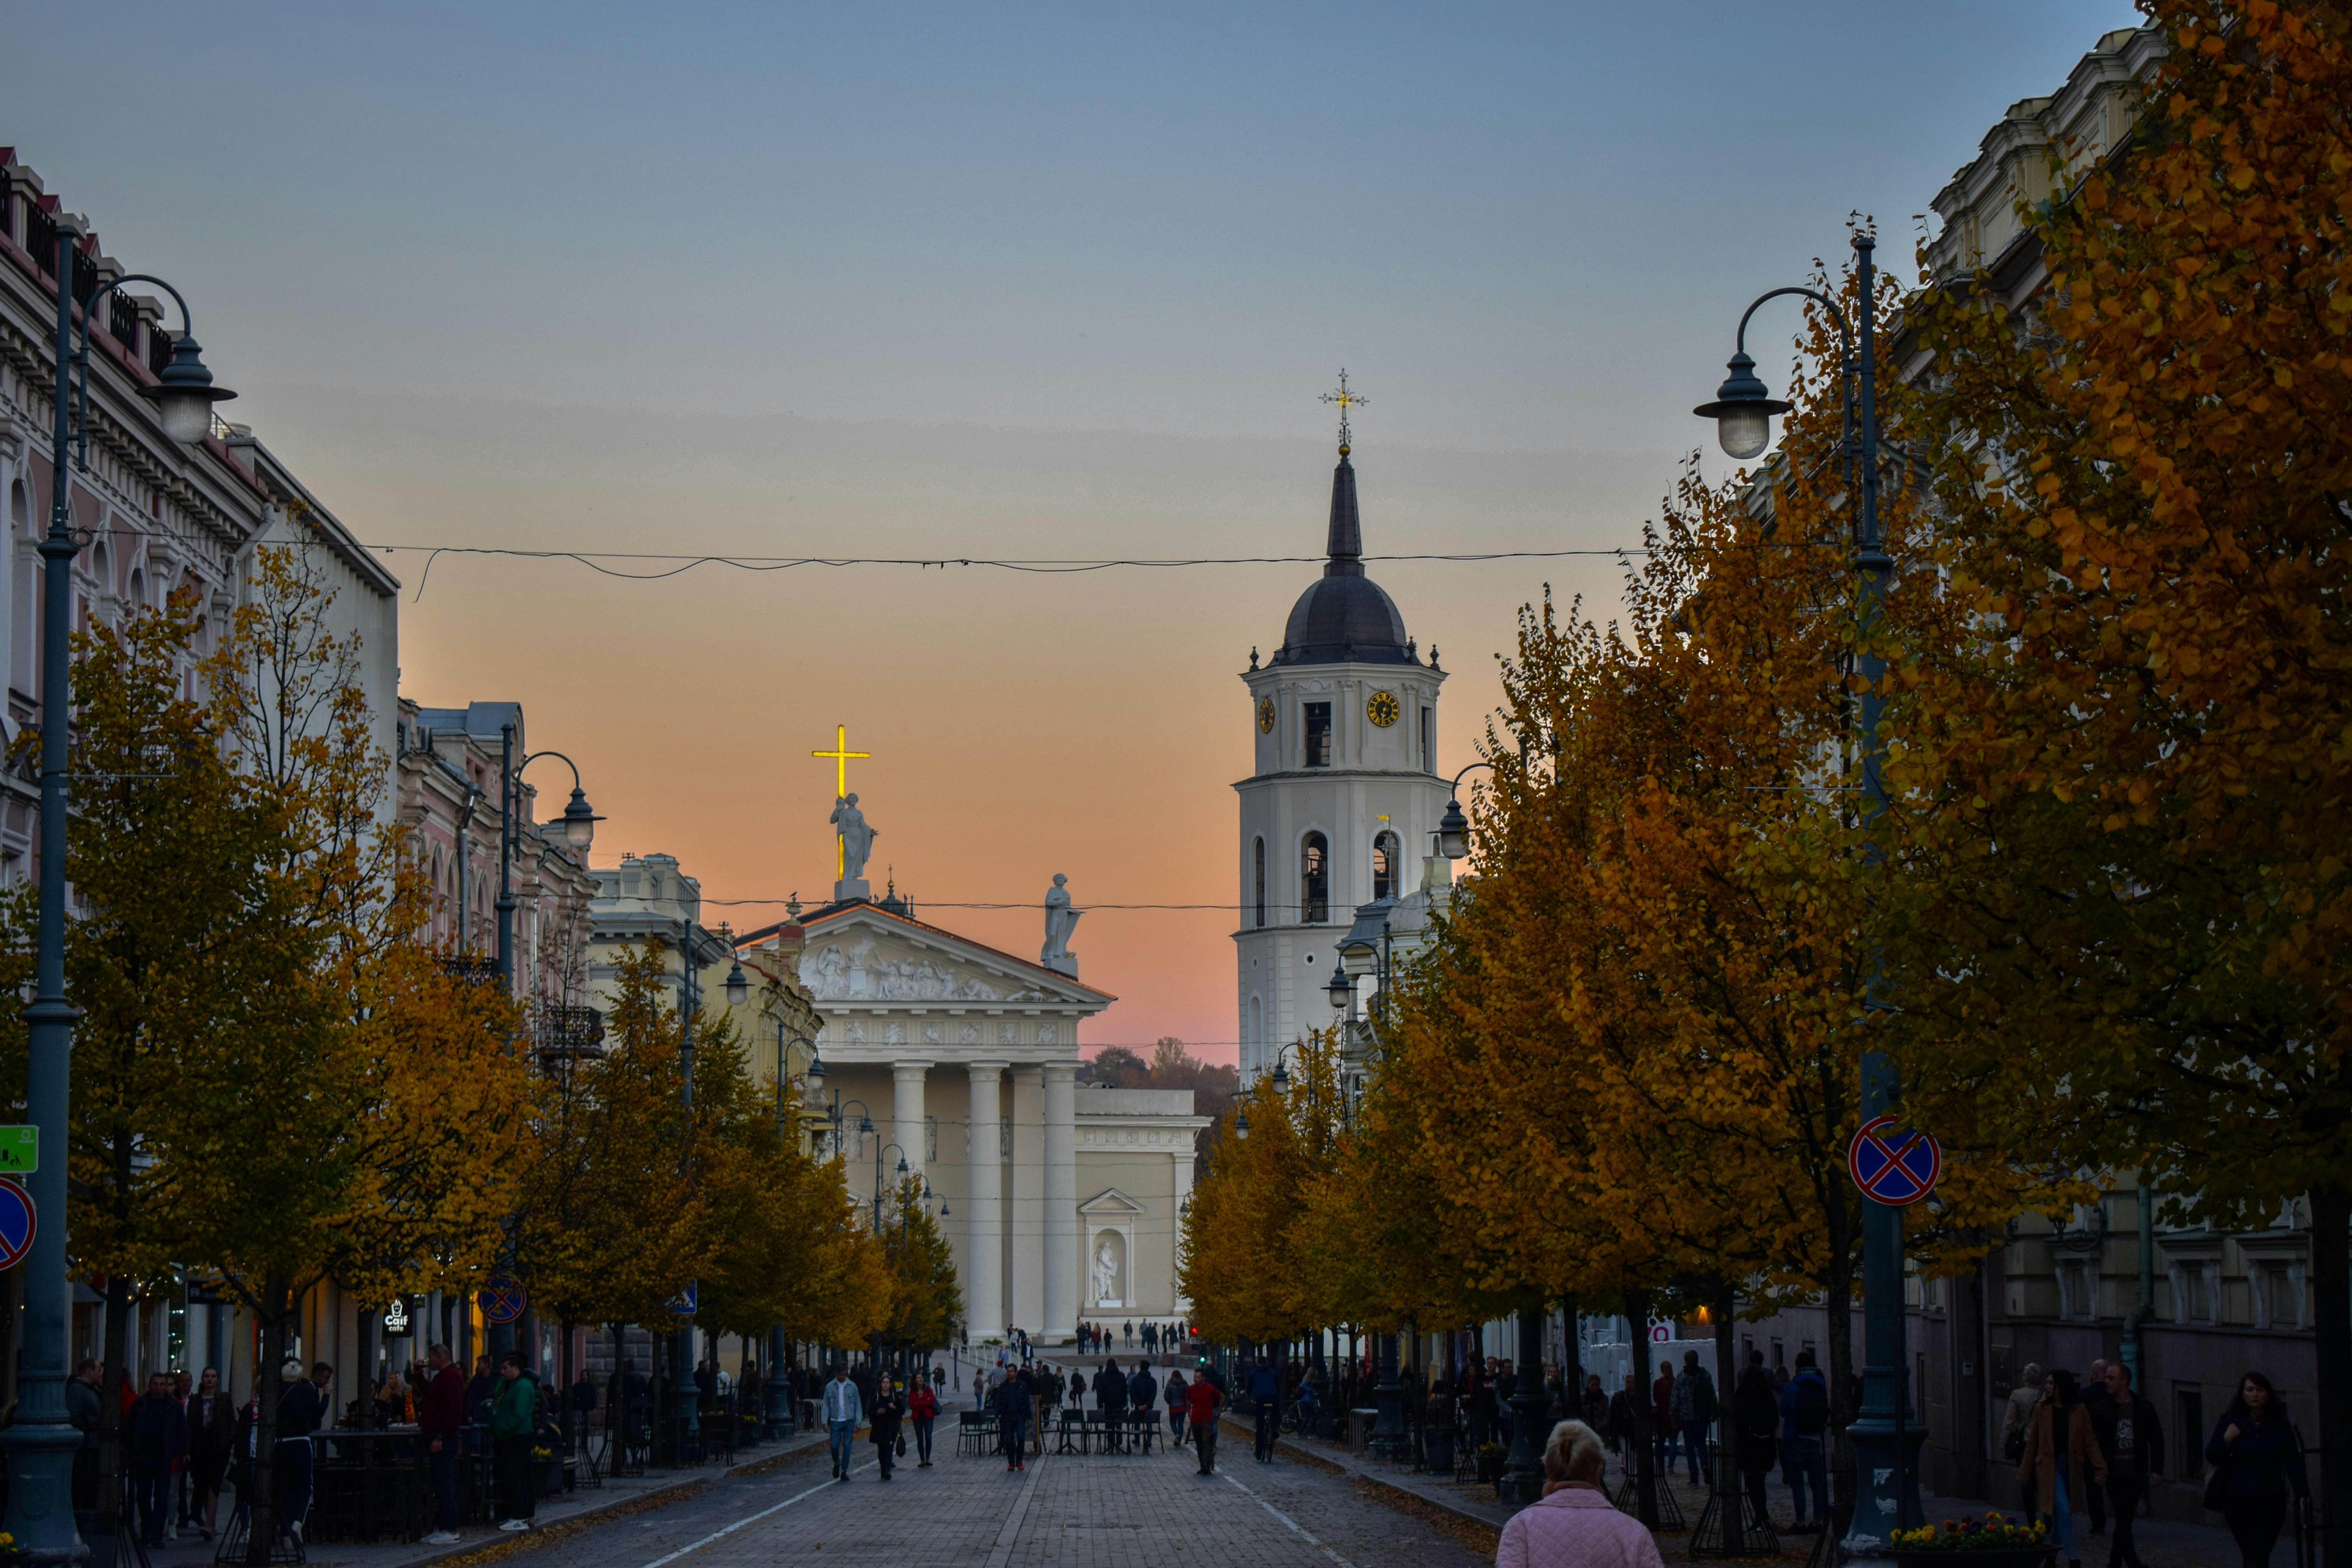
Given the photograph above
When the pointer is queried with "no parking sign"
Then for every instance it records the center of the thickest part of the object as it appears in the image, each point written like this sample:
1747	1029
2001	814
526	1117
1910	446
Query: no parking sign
1894	1165
17	1224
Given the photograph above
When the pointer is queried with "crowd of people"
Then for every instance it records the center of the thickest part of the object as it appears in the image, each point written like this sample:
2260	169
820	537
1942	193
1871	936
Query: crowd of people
1152	1338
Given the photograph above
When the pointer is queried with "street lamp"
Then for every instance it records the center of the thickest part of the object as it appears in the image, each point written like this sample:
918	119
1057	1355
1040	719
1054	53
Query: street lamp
1886	1437
739	990
41	1439
579	831
778	1416
1453	829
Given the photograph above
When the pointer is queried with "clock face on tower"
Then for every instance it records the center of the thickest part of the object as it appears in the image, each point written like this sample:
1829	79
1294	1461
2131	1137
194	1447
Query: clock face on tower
1266	715
1382	709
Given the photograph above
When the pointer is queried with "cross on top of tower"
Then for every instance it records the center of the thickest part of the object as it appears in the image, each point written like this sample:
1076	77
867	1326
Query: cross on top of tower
1346	400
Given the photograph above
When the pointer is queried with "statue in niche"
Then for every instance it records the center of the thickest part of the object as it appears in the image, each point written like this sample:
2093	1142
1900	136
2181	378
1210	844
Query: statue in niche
828	970
1060	920
856	837
1106	1274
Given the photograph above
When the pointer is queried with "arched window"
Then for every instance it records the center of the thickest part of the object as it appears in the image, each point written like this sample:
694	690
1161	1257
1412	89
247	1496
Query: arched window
1384	866
1258	878
1315	879
1257	1026
138	589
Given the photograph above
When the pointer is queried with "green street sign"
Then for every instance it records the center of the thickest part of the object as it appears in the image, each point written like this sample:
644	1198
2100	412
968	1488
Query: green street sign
20	1151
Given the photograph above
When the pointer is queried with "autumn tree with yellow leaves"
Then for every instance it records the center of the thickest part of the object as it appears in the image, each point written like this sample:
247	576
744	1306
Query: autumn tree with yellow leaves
2127	803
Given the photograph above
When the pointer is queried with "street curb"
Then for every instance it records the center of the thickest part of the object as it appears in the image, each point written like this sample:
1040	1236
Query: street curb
1403	1499
678	1490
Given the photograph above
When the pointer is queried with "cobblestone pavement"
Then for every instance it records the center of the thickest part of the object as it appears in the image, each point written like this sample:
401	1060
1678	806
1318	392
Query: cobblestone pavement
1089	1511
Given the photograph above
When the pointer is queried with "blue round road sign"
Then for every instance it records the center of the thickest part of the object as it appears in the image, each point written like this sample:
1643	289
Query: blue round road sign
17	1224
502	1299
688	1302
1894	1165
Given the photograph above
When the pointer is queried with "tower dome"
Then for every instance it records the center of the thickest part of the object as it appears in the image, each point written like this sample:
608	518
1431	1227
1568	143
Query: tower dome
1344	617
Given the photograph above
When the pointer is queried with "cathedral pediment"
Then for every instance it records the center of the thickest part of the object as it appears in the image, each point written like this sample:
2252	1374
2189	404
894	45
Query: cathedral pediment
866	956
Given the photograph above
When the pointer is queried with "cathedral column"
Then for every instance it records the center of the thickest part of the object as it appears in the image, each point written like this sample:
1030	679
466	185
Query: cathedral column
1180	1192
906	1115
1028	1209
1060	1207
984	1286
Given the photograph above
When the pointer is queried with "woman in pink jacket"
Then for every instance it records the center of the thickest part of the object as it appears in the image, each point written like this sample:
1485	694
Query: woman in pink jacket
1574	1526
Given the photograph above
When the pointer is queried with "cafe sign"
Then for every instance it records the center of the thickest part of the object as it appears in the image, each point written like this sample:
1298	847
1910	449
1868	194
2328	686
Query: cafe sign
398	1320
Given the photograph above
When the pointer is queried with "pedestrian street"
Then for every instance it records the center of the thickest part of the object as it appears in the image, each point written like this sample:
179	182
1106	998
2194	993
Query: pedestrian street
1072	1512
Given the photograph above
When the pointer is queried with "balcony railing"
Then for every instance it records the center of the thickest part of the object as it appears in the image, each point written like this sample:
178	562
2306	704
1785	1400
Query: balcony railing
571	1032
473	968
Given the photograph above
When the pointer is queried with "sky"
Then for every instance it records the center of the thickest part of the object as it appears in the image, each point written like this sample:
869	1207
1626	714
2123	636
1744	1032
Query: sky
1000	282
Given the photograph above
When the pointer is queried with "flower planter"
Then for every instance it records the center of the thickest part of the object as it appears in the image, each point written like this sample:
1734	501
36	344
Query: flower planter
1977	1557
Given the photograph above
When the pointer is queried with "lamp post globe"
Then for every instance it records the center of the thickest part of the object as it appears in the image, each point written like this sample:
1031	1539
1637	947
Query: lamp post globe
1452	832
1281	1079
183	395
1341	990
1241	1125
580	821
738	989
1742	409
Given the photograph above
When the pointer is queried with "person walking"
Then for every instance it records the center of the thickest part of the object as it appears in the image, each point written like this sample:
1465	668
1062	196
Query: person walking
1695	1408
2095	1394
212	1423
300	1410
159	1435
514	1423
1203	1399
1573	1523
1174	1391
923	1409
1110	1398
2017	1418
882	1423
2059	1452
1668	1430
1265	1402
1804	1421
1754	1430
844	1409
1628	1409
1013	1408
1593	1404
2131	1440
1142	1389
439	1415
2257	1459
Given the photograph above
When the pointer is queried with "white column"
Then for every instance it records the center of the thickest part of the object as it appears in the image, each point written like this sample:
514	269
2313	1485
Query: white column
1061	1209
1179	1190
906	1117
985	1289
1028	1206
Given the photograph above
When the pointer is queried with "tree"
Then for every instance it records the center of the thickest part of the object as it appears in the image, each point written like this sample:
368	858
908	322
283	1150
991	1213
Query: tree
356	1115
2127	803
925	1303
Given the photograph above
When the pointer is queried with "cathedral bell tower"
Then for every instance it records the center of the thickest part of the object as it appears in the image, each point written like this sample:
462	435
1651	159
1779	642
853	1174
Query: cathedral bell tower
1344	795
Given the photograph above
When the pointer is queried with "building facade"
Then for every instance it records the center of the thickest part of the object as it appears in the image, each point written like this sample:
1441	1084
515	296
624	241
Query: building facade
1344	797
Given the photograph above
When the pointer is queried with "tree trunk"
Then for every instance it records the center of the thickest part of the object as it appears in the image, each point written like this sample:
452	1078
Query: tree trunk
1572	1364
1723	1475
2331	1302
564	1379
1646	1468
261	1517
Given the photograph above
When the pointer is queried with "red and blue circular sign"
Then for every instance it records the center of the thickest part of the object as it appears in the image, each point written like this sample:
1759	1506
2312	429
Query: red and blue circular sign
17	1224
502	1299
1891	1165
688	1302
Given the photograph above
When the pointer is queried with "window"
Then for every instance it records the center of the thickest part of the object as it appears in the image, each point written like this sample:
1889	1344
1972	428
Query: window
1314	878
1318	734
1257	876
1429	740
1384	864
2189	1405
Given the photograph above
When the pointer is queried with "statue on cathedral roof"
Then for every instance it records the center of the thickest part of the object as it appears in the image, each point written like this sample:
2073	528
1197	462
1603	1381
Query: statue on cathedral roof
1060	920
856	837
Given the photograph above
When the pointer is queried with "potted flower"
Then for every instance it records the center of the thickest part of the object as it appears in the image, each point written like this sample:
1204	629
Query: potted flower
550	1474
1490	1462
1986	1540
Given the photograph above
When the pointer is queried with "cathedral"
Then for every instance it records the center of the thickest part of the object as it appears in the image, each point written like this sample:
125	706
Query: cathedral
1340	808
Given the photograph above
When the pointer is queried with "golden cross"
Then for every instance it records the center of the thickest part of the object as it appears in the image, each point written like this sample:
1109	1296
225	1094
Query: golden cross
840	755
1346	400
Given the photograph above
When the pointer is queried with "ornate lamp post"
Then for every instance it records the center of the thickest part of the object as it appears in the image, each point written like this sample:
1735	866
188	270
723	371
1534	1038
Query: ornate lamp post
1887	1437
579	831
41	1439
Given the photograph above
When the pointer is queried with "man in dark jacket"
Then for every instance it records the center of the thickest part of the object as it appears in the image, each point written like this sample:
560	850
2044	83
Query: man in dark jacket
159	1435
1266	1404
1110	1398
439	1415
1013	1407
1804	1427
81	1409
1141	1389
1755	1429
2132	1440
